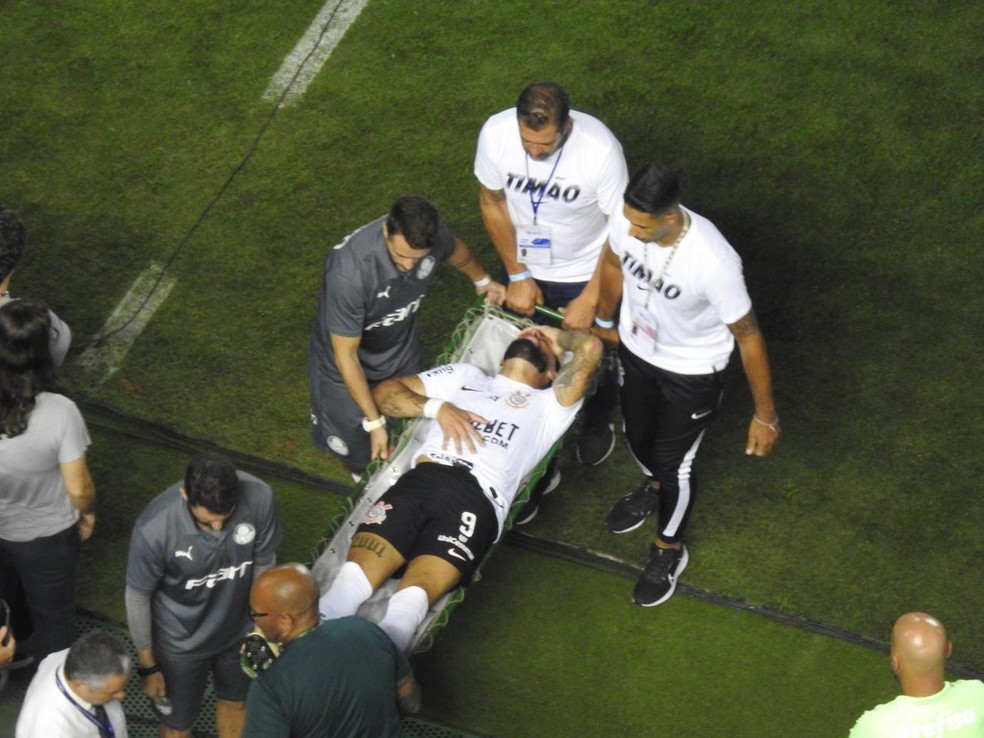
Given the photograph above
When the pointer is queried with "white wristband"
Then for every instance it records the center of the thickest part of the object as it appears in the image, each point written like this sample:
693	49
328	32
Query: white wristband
520	277
431	407
479	283
604	323
371	425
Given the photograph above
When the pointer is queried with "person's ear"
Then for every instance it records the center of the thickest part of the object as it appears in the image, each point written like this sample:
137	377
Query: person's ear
184	494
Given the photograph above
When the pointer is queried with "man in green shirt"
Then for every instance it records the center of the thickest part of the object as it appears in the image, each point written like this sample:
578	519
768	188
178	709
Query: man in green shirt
928	705
340	677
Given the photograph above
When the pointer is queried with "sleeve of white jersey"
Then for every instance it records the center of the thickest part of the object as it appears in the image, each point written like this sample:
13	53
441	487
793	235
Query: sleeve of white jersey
726	290
487	155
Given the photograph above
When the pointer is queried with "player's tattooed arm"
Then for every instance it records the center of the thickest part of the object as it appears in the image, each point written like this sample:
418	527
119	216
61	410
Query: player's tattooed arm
402	397
574	378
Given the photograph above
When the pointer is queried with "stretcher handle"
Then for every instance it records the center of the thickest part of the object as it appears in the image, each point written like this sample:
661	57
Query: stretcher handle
549	312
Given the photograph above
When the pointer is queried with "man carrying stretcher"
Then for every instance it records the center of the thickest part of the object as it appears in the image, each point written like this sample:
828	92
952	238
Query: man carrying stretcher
443	515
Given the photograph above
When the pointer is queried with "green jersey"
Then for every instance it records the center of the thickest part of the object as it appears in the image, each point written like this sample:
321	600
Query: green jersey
956	711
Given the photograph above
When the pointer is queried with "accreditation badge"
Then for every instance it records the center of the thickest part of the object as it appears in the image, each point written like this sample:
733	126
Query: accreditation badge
533	244
644	323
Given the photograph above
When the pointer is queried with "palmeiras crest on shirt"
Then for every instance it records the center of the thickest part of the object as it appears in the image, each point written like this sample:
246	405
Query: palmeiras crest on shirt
337	445
519	399
243	534
425	267
377	513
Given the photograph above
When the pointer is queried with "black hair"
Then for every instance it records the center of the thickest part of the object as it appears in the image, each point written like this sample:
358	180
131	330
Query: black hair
26	366
416	218
212	482
653	189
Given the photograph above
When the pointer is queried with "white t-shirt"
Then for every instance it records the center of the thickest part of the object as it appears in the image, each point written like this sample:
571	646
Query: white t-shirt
689	306
523	423
47	712
586	186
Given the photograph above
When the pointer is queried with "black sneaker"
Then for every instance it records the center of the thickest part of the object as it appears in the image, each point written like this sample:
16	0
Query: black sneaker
631	511
659	575
532	506
595	443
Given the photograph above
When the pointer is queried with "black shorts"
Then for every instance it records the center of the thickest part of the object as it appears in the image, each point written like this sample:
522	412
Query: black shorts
436	510
186	679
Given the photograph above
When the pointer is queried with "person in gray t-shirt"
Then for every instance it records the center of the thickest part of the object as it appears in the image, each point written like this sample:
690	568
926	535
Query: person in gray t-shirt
47	497
366	327
194	552
13	239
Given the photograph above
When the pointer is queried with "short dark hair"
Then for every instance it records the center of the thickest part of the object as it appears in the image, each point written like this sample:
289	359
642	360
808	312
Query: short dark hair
13	238
95	657
26	366
542	104
523	348
416	218
212	482
653	189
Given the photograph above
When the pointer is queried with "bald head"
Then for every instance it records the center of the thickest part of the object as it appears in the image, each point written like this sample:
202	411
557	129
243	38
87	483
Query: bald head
287	597
287	588
919	652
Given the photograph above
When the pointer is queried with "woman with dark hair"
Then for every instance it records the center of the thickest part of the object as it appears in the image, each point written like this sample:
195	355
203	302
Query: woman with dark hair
47	496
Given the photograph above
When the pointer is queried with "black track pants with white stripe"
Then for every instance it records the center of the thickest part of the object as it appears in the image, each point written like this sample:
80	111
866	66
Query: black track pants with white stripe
666	416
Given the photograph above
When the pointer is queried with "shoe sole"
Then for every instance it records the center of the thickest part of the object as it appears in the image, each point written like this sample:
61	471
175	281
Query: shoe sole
629	529
684	560
611	447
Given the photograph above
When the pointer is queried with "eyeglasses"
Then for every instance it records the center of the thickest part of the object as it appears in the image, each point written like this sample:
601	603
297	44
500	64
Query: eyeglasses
254	615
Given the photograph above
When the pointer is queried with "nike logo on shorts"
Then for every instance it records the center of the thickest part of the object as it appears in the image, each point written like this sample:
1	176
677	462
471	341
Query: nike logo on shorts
698	416
452	552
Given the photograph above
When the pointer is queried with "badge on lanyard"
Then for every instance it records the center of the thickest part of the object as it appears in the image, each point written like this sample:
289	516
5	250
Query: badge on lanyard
644	322
533	244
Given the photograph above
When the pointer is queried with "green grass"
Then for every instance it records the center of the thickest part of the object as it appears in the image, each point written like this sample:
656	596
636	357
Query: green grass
837	145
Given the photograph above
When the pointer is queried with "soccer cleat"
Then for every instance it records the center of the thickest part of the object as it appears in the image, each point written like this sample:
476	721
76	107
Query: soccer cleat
595	444
629	512
659	576
532	506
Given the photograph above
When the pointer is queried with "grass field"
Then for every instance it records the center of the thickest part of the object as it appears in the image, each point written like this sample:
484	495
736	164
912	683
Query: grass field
836	144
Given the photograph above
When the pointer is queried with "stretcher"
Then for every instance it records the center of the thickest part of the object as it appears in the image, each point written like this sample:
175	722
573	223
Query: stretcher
481	339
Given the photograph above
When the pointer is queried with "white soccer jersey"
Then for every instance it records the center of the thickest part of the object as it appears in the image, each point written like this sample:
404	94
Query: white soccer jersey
522	424
574	198
687	307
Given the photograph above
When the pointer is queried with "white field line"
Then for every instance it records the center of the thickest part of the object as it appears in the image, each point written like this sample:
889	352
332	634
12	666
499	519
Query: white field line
103	361
345	12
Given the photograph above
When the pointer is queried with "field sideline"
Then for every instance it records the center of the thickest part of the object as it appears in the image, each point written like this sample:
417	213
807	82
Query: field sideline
837	145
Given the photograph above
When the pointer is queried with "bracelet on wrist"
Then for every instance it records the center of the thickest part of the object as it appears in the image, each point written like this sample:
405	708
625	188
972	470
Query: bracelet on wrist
604	323
146	671
521	276
773	426
371	425
479	283
431	407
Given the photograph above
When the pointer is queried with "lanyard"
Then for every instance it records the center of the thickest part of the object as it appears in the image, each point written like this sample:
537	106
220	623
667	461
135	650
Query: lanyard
666	264
535	204
104	728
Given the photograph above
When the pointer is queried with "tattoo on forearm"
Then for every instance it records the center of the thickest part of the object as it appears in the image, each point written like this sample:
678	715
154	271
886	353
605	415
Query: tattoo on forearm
370	544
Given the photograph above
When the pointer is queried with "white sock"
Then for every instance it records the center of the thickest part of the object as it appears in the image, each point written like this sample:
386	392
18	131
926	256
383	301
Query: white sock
405	612
349	590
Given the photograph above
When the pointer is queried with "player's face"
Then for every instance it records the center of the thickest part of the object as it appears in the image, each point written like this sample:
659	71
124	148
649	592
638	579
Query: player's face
646	226
542	144
405	258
